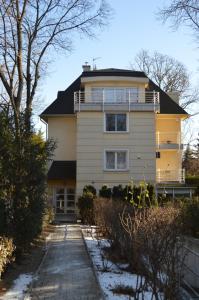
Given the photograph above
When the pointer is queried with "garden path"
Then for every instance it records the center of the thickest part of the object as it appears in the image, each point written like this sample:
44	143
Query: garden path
66	271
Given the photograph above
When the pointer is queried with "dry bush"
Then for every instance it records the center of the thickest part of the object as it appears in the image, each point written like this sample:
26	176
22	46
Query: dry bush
106	214
157	249
6	253
131	221
150	241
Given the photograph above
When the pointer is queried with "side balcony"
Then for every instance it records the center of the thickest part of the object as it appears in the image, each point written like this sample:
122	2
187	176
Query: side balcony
168	141
170	176
147	101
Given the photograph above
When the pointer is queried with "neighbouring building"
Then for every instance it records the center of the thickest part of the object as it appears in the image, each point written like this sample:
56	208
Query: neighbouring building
112	126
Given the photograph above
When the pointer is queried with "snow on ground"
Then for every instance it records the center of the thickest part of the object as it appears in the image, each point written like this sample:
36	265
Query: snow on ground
109	274
20	286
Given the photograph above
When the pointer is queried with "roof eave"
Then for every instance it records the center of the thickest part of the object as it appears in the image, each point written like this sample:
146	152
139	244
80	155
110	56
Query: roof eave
114	78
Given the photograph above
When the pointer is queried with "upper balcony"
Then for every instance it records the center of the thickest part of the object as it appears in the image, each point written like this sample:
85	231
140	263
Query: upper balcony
117	99
168	140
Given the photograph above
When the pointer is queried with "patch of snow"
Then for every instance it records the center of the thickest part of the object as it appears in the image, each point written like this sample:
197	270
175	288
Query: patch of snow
109	274
20	286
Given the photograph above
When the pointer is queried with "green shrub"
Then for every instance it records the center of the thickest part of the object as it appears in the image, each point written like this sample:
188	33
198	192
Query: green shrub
142	195
190	217
3	223
85	205
48	215
91	189
105	192
192	180
136	195
6	252
23	170
118	192
152	195
128	192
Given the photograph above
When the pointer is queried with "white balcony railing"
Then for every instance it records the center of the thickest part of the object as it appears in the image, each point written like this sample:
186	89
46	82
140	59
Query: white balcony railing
168	140
82	99
177	175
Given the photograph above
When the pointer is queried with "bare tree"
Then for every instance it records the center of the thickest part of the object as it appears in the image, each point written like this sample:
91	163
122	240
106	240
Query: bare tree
182	12
30	30
168	73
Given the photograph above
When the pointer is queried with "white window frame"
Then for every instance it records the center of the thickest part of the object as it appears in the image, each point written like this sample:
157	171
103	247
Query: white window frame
115	169
117	113
66	194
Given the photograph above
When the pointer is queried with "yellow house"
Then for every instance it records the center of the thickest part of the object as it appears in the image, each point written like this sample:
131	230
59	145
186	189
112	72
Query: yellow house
112	126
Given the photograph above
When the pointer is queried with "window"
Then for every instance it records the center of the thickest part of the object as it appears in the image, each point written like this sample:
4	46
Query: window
97	94
157	154
116	122
64	200
116	160
115	94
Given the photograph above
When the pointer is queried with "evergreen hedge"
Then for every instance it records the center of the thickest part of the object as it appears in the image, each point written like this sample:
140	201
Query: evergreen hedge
23	174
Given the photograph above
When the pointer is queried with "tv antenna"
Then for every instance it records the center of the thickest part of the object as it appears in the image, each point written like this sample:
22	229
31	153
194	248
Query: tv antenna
94	60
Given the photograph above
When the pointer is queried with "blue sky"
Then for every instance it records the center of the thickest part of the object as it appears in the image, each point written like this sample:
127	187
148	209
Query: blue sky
134	26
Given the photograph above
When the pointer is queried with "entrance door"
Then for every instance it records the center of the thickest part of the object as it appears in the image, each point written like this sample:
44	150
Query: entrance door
60	200
70	200
64	200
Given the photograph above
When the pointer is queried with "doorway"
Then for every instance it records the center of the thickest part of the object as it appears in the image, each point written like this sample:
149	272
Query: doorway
64	199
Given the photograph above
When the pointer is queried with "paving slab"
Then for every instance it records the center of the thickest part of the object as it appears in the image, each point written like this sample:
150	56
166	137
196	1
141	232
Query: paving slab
66	271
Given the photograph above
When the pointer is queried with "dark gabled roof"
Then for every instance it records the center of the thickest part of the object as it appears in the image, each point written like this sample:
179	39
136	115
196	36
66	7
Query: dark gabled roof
167	104
113	72
61	169
64	104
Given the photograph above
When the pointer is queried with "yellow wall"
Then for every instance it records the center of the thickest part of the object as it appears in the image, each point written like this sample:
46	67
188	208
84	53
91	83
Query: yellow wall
92	141
169	160
59	182
63	131
168	126
168	123
168	129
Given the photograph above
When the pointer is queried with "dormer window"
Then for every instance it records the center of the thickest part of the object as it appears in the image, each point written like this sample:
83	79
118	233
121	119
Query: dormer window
114	94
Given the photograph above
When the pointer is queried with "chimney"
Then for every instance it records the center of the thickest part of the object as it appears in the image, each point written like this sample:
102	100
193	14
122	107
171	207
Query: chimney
175	96
86	67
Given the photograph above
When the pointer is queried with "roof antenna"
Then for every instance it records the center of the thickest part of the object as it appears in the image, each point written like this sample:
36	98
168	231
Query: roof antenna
94	65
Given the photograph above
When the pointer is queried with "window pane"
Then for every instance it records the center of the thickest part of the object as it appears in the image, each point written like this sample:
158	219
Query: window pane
109	95
60	207
71	204
70	191
121	160
59	190
110	122
110	160
70	197
60	197
121	122
133	94
120	95
97	95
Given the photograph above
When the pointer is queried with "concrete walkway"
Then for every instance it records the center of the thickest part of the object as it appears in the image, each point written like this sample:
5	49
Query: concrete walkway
66	271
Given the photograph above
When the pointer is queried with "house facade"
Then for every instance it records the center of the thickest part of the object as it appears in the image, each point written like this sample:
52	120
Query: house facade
112	126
